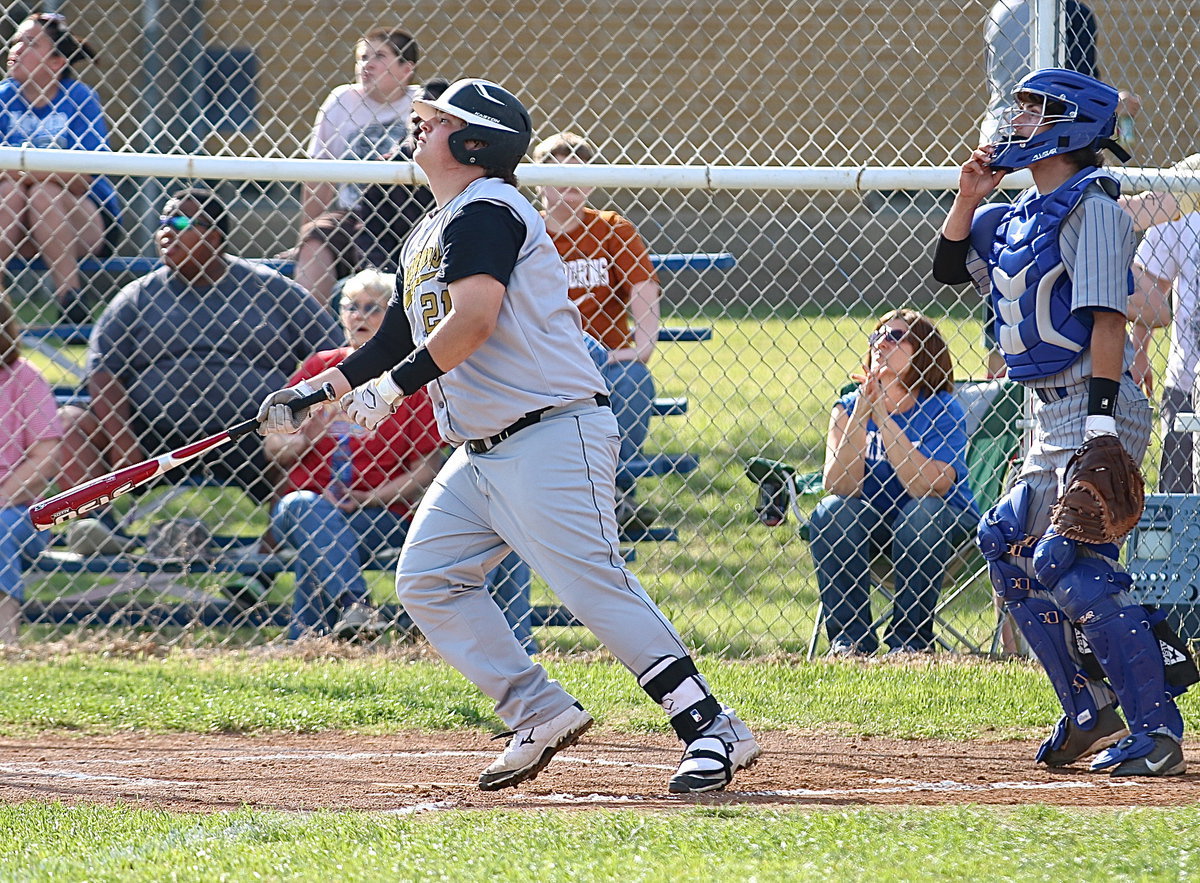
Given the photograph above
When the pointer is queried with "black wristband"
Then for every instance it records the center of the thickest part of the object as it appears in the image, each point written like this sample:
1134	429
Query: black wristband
1102	396
416	371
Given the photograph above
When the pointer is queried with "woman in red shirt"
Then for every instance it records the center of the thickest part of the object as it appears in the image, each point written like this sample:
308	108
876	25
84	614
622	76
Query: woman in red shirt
336	522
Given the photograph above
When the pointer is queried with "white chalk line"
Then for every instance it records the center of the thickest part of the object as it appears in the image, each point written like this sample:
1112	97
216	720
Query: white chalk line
435	806
35	771
41	770
900	786
420	786
356	755
910	786
297	755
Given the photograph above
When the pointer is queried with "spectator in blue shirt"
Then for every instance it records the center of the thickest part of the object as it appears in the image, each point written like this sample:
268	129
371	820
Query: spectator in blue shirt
63	218
896	473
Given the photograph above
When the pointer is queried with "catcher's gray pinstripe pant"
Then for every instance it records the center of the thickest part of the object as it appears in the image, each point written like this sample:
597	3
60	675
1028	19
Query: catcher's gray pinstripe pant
1060	414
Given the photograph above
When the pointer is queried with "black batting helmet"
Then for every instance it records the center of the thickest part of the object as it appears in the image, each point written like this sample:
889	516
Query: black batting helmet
493	116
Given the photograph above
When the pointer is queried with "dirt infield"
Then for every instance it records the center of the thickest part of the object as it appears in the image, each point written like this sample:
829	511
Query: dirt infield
426	772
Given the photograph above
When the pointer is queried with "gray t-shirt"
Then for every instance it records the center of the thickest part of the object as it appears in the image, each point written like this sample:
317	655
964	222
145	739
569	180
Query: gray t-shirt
1009	47
203	358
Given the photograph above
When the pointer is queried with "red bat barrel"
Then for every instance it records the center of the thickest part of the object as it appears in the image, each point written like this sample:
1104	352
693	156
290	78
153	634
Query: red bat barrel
93	495
103	490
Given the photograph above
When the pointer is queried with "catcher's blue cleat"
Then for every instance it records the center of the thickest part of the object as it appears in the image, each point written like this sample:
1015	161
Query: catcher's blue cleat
1070	742
1146	754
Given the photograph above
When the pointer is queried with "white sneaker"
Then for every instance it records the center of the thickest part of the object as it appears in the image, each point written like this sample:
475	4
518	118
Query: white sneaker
530	750
359	622
709	763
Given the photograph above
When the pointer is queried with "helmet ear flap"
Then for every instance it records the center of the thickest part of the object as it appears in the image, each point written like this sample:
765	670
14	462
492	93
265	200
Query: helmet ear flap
501	151
458	148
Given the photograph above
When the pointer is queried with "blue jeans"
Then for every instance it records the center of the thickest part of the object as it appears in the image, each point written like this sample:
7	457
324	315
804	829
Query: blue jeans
631	389
332	547
920	539
19	544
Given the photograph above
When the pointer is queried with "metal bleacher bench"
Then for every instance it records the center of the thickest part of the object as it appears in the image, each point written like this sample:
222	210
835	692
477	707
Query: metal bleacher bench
139	265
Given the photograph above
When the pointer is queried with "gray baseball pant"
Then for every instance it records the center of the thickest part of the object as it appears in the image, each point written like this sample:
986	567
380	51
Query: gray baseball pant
1058	432
546	492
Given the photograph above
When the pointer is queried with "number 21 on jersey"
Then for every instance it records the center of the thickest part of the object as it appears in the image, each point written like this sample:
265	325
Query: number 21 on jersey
435	306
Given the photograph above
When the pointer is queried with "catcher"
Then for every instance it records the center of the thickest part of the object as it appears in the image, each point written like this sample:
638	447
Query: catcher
1056	265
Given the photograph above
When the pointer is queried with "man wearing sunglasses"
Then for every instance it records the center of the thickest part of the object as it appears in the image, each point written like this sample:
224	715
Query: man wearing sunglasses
178	353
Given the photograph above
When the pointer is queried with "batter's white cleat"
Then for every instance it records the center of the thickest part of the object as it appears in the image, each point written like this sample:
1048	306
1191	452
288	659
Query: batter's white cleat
530	750
709	763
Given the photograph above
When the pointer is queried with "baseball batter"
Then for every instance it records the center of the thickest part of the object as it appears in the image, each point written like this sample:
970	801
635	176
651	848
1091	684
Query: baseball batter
1056	265
482	317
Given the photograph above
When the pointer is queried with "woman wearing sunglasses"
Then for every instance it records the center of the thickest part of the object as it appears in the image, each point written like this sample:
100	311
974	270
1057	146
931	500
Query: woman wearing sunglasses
335	522
62	218
350	492
896	473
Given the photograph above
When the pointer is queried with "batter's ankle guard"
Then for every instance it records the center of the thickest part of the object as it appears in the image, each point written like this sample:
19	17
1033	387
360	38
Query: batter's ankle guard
675	684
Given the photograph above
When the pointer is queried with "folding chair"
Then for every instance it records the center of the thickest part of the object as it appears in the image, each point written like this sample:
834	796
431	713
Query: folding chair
994	424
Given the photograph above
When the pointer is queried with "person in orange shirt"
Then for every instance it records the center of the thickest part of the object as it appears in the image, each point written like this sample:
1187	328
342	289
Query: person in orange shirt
612	282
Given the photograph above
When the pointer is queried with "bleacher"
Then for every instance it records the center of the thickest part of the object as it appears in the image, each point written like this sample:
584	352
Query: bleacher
48	338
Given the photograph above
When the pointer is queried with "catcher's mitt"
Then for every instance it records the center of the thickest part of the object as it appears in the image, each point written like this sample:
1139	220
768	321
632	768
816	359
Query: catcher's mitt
1104	495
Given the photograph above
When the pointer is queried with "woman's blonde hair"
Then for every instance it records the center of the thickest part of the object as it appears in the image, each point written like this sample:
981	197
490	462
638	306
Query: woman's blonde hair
373	282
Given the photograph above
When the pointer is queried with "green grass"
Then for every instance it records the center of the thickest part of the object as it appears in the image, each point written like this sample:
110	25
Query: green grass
206	692
55	843
762	387
190	692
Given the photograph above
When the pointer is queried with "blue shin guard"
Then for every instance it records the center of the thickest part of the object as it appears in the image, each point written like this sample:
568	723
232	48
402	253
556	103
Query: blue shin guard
1002	538
1127	649
1046	629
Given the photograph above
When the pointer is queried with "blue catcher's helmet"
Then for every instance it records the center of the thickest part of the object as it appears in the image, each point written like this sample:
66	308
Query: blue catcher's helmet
1085	115
494	116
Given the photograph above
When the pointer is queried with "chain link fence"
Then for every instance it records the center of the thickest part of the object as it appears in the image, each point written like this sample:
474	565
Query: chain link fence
787	164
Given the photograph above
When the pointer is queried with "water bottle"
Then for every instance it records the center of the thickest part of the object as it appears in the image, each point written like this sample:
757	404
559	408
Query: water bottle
1125	132
341	464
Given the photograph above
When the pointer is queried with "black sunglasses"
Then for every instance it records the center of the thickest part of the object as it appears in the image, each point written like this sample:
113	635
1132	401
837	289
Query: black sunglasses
894	335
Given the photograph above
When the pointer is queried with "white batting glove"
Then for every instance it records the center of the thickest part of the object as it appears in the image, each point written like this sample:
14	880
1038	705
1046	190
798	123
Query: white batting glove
275	415
370	403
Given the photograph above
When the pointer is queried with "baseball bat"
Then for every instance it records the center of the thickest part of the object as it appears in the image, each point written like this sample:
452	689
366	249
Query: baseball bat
98	492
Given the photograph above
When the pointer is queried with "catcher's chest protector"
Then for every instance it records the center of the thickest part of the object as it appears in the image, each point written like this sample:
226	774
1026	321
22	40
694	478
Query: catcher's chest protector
1031	291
